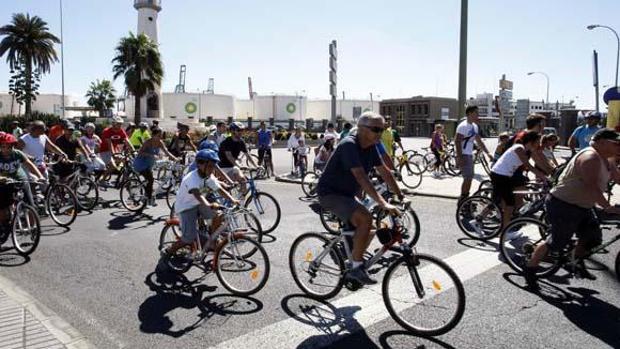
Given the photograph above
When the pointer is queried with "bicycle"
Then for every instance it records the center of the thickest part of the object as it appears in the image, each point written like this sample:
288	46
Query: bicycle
56	200
24	222
310	181
263	204
236	257
411	279
85	188
532	231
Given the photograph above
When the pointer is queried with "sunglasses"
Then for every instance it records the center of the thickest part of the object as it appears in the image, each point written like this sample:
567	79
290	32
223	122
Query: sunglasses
375	129
201	162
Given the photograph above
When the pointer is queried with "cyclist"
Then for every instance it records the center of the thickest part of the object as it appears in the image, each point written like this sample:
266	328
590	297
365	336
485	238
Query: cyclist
293	143
301	153
324	153
569	205
181	142
112	139
58	129
69	145
11	162
437	148
229	152
145	160
35	143
92	143
345	174
219	174
264	141
219	135
196	199
139	136
580	138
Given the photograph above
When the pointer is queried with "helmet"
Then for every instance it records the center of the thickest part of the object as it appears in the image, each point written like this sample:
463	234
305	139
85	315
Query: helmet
144	125
207	155
70	126
209	144
89	125
329	136
594	115
7	138
117	120
236	126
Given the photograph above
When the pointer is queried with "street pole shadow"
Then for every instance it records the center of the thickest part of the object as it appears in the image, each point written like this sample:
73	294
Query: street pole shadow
333	324
10	258
173	291
580	306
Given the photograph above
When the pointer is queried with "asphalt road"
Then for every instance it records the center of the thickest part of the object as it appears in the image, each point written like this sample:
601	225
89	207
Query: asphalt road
102	277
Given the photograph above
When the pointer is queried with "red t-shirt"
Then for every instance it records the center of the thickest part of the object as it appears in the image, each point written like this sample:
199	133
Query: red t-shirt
117	136
55	132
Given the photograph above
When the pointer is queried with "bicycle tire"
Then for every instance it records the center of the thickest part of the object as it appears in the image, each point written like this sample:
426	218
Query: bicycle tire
330	222
35	232
127	193
414	177
468	218
334	256
171	193
258	208
309	183
485	184
449	165
418	160
180	262
87	203
514	251
429	161
221	256
397	314
617	266
56	192
485	164
410	218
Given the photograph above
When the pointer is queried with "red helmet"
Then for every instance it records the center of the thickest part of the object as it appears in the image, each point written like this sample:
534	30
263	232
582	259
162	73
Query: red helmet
7	138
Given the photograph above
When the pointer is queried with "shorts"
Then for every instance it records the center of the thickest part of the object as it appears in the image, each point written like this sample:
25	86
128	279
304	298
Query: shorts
189	222
261	154
567	219
106	156
519	179
232	171
467	169
503	187
340	205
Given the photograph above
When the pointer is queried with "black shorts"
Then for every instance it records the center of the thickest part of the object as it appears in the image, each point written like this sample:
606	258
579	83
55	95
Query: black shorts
519	179
503	187
6	195
261	154
567	219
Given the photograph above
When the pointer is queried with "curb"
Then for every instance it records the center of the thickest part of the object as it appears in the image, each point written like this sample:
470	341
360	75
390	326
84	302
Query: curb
405	190
60	329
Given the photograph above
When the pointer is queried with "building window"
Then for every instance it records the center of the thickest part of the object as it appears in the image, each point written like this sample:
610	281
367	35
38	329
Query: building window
425	109
400	117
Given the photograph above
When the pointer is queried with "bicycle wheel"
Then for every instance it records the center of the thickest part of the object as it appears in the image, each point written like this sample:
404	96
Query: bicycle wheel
479	218
330	222
319	276
61	204
418	160
486	192
618	265
26	229
87	193
429	161
253	227
247	160
411	175
485	164
240	274
518	241
411	224
449	165
485	184
266	208
133	195
309	184
423	294
171	194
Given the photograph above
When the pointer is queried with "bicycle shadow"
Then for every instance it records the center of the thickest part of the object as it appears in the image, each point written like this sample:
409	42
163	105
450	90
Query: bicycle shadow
412	341
592	315
53	230
487	246
121	219
174	291
10	258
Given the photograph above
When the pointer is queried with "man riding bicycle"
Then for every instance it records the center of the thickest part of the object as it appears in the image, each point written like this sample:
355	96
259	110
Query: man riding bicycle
264	141
345	174
569	205
35	143
229	152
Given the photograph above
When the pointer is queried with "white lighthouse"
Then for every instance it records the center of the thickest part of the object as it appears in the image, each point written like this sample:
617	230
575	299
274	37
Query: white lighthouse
151	105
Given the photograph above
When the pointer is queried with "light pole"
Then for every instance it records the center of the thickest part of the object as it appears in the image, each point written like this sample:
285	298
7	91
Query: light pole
547	77
593	26
62	65
463	59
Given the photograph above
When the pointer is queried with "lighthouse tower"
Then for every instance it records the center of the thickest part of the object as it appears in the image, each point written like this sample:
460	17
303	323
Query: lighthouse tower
151	105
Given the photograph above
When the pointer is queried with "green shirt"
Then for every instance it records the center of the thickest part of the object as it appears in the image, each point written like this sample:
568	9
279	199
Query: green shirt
138	137
11	166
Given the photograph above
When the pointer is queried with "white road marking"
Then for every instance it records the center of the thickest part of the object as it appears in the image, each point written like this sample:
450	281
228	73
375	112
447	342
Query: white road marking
290	333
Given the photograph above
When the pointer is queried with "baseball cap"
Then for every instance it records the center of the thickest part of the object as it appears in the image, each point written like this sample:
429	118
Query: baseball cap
594	114
606	133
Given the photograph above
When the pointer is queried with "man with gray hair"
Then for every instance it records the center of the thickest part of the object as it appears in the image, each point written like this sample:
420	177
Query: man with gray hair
345	174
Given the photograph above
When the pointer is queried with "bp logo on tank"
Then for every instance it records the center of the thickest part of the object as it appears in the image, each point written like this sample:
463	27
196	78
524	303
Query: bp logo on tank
190	108
290	108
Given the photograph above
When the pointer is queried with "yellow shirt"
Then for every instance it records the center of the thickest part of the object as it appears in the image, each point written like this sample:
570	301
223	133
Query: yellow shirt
138	137
387	138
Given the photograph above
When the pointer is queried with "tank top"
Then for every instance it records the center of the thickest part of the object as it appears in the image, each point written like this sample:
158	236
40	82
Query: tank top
509	162
35	147
571	188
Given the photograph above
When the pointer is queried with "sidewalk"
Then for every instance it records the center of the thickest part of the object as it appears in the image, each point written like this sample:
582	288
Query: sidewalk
25	323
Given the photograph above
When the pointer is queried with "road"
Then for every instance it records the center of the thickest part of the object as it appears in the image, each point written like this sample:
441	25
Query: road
102	277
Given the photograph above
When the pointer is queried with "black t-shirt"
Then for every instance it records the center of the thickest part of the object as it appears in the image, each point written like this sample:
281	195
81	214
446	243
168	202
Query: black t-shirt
337	178
234	147
68	146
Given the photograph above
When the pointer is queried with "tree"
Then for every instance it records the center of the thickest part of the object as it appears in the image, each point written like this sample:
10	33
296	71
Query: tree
138	60
101	96
29	49
17	84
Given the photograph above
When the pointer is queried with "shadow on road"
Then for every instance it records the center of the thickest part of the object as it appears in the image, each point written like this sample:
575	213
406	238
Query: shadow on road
479	245
121	219
407	340
173	291
53	230
10	258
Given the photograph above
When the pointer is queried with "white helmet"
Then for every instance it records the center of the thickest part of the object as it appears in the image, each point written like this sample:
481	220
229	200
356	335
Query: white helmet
89	125
329	136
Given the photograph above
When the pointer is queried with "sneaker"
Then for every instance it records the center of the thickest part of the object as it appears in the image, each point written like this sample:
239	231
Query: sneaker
580	271
513	235
477	230
360	275
531	279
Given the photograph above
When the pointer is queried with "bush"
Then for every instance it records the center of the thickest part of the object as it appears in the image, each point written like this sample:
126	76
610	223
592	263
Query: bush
48	119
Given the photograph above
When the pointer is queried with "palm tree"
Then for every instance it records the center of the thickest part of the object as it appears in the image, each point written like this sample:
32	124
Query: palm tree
101	95
138	60
27	40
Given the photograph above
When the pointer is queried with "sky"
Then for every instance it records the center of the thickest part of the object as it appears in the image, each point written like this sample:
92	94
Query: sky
390	48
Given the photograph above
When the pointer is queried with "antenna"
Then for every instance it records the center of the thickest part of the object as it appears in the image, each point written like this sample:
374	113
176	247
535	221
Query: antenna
180	88
211	86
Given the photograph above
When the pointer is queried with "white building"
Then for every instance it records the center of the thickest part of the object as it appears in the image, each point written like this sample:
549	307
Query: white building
48	103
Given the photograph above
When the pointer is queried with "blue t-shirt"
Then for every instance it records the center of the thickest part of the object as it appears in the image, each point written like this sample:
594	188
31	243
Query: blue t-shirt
264	138
381	148
337	178
583	134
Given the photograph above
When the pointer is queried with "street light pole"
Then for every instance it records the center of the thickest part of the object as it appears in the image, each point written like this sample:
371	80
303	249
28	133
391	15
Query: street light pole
547	77
463	60
593	26
62	65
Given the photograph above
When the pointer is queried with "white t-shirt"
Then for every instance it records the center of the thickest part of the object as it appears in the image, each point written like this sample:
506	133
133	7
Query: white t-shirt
293	141
91	143
469	132
185	199
509	162
35	147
